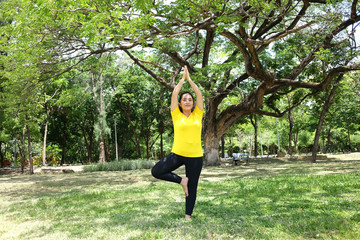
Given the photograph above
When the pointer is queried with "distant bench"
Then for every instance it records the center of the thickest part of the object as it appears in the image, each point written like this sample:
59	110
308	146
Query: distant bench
236	157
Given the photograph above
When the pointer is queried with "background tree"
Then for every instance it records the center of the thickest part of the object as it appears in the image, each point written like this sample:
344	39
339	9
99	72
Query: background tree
347	111
97	85
75	99
254	122
329	99
48	107
145	106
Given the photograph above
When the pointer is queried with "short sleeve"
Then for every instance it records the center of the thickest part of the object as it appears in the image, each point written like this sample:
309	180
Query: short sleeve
175	112
197	111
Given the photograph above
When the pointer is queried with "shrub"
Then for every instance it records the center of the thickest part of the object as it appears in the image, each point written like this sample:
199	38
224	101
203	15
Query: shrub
122	165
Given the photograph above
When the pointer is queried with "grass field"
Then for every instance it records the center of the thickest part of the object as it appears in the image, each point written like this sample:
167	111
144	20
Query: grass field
269	199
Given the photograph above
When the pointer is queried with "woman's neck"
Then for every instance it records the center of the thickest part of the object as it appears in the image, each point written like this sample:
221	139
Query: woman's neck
187	113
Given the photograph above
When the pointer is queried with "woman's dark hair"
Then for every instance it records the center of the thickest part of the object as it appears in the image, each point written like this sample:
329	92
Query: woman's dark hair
180	97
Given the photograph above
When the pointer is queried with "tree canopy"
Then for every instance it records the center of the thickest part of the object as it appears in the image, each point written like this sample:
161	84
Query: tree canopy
255	51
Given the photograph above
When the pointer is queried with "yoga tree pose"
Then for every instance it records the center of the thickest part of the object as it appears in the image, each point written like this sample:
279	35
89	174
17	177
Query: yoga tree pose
187	149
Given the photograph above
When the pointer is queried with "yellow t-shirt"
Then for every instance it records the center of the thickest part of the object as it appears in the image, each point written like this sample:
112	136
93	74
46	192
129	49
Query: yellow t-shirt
187	133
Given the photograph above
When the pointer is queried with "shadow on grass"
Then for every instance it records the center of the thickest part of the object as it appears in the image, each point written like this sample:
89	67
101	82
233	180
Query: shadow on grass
43	185
269	199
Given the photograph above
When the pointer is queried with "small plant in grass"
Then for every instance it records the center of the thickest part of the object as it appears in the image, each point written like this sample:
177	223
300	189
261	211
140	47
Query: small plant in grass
122	165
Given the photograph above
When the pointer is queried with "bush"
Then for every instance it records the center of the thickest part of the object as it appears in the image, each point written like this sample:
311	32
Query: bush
122	165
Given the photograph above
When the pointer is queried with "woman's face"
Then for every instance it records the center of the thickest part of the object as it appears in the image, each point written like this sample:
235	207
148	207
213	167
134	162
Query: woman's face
186	102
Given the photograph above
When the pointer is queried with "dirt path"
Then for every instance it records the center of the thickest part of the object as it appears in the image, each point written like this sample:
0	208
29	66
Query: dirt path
46	169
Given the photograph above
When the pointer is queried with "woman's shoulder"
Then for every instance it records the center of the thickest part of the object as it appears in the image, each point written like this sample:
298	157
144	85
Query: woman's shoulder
198	111
176	111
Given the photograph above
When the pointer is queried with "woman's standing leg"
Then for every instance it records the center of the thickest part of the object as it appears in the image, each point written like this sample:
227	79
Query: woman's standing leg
193	170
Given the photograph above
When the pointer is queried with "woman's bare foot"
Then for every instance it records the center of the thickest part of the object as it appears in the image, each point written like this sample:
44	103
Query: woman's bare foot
187	217
184	184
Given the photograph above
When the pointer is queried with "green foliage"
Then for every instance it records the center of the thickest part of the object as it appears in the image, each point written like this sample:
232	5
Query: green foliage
169	44
122	165
53	154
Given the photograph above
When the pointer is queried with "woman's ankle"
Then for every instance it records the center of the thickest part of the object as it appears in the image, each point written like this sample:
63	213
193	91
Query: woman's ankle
184	183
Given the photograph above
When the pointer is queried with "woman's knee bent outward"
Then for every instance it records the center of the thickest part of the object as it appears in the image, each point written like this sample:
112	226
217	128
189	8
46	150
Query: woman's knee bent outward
163	169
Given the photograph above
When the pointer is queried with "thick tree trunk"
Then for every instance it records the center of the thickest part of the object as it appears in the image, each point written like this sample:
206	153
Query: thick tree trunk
214	126
329	99
211	149
222	146
211	137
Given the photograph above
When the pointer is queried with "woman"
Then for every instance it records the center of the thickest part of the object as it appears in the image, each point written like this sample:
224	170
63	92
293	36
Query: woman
186	150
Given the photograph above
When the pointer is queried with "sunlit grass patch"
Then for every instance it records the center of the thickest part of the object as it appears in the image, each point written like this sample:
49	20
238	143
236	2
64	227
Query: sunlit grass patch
301	206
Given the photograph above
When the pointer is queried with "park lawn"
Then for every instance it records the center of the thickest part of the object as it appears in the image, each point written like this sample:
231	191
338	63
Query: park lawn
266	200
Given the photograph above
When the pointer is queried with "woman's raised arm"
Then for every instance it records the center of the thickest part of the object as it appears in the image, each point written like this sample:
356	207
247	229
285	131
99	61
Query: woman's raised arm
175	93
199	97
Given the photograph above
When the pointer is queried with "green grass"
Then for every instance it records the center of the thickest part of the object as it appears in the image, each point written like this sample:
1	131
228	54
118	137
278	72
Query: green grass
123	165
266	200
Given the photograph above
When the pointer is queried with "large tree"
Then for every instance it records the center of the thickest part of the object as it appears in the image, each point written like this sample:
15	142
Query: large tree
226	44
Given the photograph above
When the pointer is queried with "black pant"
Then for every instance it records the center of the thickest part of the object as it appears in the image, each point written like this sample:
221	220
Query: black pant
163	170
